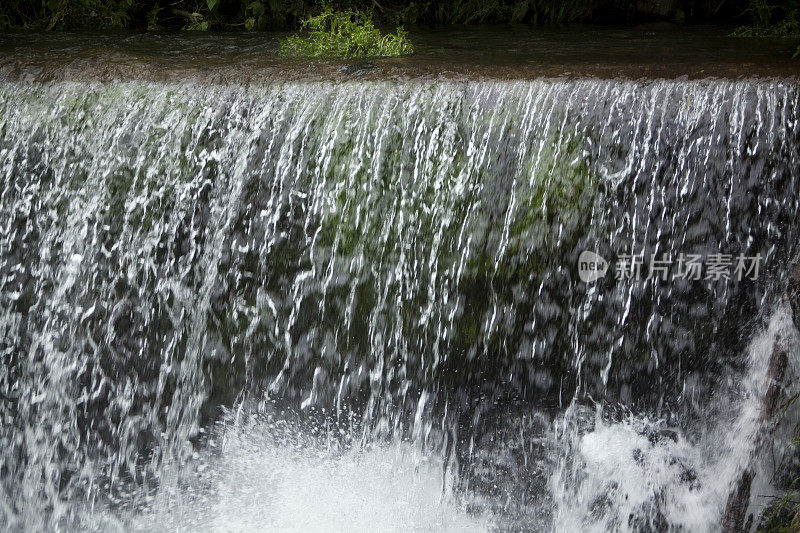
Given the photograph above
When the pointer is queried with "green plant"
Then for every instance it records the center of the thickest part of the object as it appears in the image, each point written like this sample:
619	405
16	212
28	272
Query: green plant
776	21
197	22
63	14
783	514
344	34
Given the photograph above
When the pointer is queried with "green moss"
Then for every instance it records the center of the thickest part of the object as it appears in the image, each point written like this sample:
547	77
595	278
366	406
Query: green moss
560	191
345	34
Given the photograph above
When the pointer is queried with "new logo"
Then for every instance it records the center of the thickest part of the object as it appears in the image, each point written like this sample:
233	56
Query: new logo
591	266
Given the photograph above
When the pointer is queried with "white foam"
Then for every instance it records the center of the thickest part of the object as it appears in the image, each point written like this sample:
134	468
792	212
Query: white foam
620	475
264	481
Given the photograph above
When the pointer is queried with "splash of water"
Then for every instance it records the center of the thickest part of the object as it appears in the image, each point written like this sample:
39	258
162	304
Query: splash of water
638	474
264	474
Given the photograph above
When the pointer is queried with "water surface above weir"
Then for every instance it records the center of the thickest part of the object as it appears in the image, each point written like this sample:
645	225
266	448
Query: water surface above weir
517	52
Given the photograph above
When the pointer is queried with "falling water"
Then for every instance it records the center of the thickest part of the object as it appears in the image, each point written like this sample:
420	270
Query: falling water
357	305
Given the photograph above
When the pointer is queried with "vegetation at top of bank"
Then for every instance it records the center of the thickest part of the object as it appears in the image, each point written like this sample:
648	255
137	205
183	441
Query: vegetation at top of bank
773	19
763	17
776	19
67	14
344	34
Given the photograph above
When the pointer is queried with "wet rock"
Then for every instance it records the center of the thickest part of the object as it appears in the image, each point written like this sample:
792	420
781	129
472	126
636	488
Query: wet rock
662	436
358	69
656	9
736	510
793	293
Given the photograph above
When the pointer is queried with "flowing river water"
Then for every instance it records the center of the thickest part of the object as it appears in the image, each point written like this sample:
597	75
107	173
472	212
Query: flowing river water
249	294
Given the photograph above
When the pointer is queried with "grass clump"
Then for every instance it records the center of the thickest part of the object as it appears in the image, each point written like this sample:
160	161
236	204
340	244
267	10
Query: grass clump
344	34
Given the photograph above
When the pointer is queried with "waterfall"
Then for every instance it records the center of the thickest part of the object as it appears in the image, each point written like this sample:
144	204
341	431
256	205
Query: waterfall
317	304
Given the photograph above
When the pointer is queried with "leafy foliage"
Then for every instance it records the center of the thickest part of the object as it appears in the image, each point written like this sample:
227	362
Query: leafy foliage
346	34
771	20
493	11
66	14
289	14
